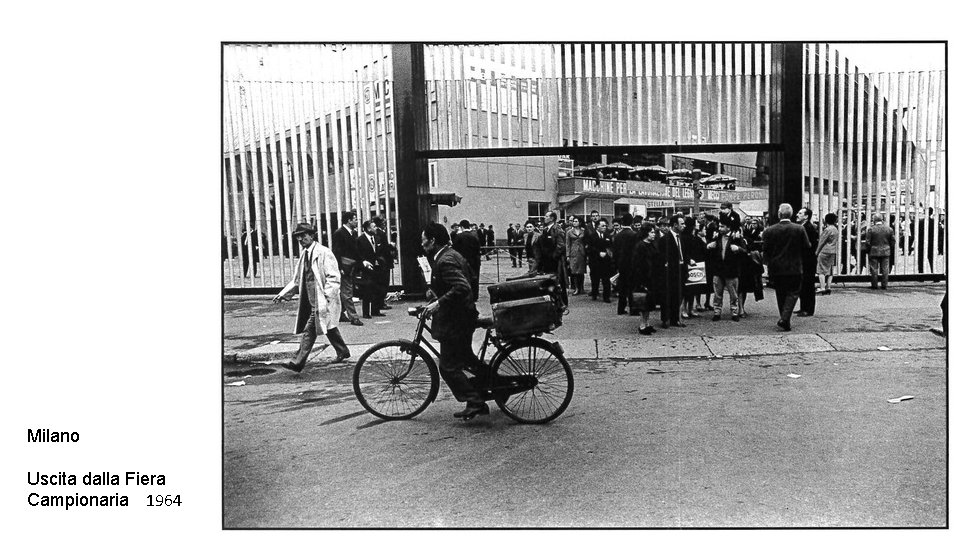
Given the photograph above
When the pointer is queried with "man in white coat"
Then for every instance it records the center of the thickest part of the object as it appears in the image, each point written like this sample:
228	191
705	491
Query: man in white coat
317	273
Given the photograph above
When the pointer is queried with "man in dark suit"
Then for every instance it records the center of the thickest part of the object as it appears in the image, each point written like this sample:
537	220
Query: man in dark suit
454	314
591	241
369	287
553	249
511	241
519	237
386	256
467	244
808	286
783	247
881	245
675	272
623	245
344	247
924	241
491	239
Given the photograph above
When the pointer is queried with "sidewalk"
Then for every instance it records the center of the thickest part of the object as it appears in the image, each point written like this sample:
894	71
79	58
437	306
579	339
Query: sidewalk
853	318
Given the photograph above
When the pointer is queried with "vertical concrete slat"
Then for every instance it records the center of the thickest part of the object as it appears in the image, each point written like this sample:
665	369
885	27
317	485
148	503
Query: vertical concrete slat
225	196
264	177
822	96
900	201
281	158
237	122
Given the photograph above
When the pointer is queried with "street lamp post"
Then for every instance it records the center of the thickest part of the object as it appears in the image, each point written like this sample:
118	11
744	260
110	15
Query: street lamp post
696	191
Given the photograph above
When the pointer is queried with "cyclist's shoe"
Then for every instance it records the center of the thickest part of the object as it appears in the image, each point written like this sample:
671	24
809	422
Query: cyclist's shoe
472	409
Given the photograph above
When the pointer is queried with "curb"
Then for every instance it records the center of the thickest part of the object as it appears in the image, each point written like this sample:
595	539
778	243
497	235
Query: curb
635	349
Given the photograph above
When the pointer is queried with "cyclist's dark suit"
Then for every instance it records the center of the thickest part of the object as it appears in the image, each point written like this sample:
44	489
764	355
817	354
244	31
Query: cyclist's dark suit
454	321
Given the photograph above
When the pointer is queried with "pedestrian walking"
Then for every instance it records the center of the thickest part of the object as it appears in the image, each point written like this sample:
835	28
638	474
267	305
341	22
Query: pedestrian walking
454	313
576	255
808	287
317	279
827	252
344	246
880	241
783	246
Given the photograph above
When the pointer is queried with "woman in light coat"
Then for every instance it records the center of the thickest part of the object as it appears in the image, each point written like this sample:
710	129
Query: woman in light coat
576	255
827	252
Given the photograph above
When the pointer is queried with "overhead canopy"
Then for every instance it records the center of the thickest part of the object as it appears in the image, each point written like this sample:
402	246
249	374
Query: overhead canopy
565	200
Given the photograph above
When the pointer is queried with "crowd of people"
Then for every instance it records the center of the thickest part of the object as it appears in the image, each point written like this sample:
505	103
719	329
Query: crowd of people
684	265
365	258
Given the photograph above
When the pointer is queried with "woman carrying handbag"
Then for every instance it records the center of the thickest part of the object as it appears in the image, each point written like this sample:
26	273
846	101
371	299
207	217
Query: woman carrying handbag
647	268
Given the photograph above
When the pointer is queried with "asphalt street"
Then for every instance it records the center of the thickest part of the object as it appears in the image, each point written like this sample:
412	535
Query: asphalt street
805	440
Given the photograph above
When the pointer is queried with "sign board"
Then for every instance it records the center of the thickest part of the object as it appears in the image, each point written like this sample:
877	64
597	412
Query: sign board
425	268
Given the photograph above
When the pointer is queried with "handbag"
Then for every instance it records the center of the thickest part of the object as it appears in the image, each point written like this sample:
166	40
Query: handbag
638	300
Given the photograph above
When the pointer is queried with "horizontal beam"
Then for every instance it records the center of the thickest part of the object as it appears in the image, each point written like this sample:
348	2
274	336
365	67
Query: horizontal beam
582	150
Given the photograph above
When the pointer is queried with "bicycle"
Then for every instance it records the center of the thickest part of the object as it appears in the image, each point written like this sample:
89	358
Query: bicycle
527	377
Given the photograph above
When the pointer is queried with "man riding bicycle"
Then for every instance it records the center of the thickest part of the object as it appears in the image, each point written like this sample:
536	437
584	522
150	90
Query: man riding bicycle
454	315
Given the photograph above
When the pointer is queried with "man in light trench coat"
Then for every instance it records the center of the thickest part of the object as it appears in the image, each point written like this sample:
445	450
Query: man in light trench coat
318	274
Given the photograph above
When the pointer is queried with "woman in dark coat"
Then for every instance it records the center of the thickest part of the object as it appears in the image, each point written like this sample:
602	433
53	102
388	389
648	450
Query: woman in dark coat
647	273
751	270
694	248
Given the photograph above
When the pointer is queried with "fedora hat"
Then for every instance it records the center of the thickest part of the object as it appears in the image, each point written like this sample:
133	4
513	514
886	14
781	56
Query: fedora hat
304	228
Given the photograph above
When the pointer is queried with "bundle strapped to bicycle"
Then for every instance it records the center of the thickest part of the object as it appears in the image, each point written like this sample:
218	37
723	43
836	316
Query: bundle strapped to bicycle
526	307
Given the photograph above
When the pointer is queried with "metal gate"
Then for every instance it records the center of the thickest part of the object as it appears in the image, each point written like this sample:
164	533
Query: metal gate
874	143
307	135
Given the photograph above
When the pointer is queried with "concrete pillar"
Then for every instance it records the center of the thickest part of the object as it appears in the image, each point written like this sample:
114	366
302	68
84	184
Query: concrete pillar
786	170
410	123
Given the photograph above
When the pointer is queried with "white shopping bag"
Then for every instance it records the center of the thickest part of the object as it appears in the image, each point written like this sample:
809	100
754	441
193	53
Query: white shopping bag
697	274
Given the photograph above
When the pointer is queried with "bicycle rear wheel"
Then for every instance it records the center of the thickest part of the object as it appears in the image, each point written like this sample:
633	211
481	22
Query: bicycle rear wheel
553	390
395	380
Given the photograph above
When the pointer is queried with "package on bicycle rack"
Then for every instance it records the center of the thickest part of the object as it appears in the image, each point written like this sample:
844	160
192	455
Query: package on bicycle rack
525	307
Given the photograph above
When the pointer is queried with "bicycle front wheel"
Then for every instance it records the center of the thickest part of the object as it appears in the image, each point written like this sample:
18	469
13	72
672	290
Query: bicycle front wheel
553	388
396	380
